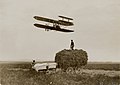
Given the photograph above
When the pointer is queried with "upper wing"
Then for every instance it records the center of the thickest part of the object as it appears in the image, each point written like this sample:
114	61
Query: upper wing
52	28
45	19
65	17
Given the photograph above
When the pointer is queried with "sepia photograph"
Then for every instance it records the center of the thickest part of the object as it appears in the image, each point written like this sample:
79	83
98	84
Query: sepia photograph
59	42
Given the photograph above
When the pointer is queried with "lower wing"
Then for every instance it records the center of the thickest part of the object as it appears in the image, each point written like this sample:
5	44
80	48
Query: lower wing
52	28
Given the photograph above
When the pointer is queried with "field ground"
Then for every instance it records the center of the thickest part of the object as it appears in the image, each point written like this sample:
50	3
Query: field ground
91	74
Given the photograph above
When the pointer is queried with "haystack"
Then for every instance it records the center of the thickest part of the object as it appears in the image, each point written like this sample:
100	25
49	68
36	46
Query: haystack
71	58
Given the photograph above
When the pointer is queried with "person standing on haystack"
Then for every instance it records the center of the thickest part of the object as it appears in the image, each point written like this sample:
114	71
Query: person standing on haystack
72	45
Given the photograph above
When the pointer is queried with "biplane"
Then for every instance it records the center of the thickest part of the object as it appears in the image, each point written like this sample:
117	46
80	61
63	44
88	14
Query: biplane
56	24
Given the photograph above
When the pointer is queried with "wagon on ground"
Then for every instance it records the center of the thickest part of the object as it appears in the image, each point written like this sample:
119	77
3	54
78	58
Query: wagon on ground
44	66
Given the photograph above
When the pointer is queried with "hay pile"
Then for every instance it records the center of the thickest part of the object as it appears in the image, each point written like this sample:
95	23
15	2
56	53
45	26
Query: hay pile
71	58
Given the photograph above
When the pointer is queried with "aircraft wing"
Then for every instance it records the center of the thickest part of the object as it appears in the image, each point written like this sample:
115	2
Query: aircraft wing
65	30
65	17
61	22
43	26
45	19
65	23
52	28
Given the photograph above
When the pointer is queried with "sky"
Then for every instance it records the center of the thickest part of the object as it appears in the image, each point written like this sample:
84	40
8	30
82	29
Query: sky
96	26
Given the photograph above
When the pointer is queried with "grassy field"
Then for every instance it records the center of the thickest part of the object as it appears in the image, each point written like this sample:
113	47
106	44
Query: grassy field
92	74
103	66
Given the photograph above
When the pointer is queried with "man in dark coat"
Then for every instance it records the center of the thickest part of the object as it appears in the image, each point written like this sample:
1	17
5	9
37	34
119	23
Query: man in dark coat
72	45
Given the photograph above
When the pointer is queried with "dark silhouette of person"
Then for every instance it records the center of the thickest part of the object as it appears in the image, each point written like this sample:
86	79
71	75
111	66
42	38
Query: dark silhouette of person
72	45
33	63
